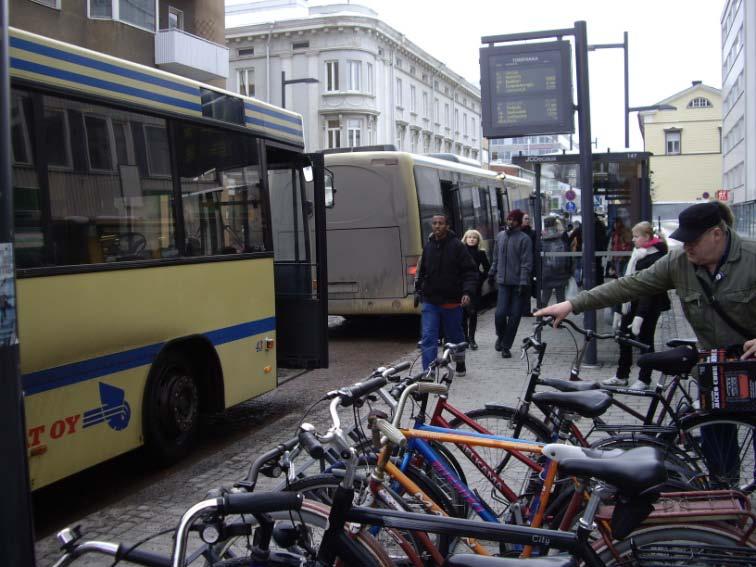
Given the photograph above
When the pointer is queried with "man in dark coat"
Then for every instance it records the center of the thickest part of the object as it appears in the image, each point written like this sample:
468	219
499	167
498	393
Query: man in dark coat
446	280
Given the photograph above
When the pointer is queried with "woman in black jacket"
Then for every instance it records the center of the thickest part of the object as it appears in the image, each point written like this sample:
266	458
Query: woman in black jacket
471	239
640	316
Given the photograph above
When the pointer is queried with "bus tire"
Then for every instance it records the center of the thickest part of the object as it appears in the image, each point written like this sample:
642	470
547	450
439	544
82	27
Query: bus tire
171	408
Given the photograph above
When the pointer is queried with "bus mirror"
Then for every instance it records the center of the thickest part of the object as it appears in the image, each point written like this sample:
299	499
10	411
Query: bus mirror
308	174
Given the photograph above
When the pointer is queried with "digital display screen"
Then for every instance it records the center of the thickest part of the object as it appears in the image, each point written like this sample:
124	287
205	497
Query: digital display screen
527	89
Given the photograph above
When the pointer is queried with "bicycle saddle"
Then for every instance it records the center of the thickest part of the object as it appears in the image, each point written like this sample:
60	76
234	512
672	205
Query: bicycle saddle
632	471
674	343
471	560
679	361
568	386
591	403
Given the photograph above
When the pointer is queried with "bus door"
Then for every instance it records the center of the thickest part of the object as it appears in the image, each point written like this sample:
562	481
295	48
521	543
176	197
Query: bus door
450	196
296	188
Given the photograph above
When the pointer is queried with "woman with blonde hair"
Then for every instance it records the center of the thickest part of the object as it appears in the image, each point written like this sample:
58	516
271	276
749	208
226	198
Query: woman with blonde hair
640	316
471	240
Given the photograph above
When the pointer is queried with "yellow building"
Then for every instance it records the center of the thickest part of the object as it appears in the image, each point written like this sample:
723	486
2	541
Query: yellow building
686	144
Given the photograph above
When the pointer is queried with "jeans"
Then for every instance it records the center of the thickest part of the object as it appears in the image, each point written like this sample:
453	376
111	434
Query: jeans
646	335
435	317
509	306
546	294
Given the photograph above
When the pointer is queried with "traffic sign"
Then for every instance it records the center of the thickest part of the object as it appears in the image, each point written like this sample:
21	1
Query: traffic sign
570	207
570	195
723	195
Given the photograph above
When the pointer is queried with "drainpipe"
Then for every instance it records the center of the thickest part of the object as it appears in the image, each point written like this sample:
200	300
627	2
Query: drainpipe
392	90
267	62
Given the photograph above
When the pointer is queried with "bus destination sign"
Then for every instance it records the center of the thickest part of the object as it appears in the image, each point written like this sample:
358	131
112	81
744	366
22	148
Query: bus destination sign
526	89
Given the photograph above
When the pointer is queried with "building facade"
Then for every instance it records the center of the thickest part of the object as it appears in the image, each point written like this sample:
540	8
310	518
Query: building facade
504	149
180	36
739	111
356	80
686	144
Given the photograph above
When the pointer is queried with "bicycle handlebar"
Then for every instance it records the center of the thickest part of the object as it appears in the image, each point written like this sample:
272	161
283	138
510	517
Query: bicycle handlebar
617	336
259	502
350	394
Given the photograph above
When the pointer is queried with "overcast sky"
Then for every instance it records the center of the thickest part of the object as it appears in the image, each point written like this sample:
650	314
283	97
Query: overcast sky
671	43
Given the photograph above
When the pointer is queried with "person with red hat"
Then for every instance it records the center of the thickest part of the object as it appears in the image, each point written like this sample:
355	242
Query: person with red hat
511	269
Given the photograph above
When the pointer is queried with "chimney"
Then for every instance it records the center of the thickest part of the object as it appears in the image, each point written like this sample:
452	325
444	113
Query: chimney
696	83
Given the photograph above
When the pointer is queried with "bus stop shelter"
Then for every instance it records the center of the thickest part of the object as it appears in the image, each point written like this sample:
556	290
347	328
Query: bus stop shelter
621	189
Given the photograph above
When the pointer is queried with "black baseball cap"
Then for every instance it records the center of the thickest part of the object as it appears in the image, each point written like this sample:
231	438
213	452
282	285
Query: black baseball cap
695	220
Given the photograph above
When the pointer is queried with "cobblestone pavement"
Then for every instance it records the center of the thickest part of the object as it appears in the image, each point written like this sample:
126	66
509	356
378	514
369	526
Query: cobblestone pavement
489	379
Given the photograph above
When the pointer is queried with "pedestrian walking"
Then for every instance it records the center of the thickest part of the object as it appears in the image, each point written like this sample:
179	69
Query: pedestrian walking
556	270
511	268
527	228
639	316
470	313
446	280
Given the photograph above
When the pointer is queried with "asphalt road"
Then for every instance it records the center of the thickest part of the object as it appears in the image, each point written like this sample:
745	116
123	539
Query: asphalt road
117	491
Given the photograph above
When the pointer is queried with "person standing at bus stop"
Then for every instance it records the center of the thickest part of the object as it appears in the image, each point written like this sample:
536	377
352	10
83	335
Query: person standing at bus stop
447	279
511	268
472	240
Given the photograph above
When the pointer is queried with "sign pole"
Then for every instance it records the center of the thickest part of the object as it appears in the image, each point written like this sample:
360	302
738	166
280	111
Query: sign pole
17	535
586	177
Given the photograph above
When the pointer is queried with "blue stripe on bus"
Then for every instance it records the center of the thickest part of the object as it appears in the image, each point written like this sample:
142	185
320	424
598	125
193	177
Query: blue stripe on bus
277	127
274	113
101	84
100	65
58	377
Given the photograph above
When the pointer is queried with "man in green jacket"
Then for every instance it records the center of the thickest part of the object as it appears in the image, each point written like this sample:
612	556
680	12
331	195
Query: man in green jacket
713	258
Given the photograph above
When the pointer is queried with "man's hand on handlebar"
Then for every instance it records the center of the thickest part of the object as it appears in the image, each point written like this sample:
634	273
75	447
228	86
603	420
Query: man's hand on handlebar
558	311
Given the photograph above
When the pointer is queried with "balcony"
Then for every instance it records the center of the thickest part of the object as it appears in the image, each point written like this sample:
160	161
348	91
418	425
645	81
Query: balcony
177	51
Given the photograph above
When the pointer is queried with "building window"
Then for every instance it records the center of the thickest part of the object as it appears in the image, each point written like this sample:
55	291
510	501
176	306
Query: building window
354	133
140	13
398	63
245	79
334	133
472	128
414	135
672	139
464	124
399	137
446	115
398	92
355	75
332	75
426	143
439	145
436	111
426	110
245	51
370	78
413	99
456	119
700	102
300	45
175	18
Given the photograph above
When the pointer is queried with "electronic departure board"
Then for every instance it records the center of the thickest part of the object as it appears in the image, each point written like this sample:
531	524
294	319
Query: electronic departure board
526	89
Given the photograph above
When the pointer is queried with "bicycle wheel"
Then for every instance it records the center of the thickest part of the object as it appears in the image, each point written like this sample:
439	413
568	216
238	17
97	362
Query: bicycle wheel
671	545
723	446
395	542
516	474
358	549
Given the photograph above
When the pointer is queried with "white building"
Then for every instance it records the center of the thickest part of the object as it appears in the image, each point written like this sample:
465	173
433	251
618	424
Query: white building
502	150
739	111
374	86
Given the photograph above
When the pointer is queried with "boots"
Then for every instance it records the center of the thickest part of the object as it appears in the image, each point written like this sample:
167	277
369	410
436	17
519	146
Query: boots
473	325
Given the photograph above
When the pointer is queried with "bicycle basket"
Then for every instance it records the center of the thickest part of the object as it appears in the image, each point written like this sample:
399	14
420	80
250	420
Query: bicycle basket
693	555
725	382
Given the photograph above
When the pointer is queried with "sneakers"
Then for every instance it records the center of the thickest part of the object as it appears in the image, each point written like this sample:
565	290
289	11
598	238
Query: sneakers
461	369
505	353
614	382
497	346
473	344
640	385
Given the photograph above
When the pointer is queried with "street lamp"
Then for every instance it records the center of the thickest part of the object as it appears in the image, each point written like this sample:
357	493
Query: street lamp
622	46
285	81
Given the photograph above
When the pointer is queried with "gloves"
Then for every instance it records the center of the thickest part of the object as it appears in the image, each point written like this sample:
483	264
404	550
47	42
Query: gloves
636	325
616	322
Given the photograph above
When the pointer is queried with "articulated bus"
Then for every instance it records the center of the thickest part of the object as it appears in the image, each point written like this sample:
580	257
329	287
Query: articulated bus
165	253
379	212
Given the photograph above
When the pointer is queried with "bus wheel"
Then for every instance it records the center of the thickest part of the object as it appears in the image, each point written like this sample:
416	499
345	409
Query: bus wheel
171	408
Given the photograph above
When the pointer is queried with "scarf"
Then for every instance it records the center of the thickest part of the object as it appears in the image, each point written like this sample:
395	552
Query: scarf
639	253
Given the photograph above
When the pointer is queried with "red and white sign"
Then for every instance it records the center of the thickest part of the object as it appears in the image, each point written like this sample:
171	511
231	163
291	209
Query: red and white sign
723	195
570	195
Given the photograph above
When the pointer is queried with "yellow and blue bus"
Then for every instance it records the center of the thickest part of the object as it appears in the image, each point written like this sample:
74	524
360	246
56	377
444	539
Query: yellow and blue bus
165	252
379	213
